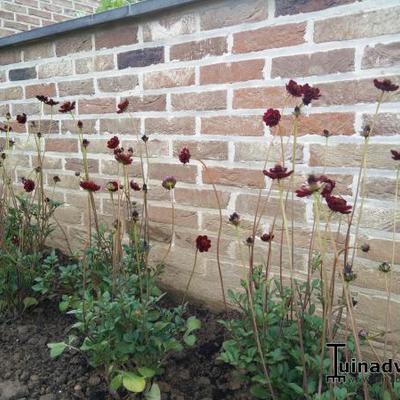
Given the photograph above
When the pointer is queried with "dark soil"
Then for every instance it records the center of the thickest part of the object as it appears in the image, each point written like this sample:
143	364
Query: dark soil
28	372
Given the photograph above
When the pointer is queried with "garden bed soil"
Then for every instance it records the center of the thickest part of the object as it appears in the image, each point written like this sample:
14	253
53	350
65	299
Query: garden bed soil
28	372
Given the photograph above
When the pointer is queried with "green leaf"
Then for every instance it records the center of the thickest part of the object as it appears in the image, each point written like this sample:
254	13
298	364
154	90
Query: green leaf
190	340
259	391
56	349
116	382
192	324
386	395
154	393
298	389
146	372
29	302
134	383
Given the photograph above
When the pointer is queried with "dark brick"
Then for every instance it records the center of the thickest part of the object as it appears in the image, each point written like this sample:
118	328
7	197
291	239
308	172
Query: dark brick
141	57
22	74
290	7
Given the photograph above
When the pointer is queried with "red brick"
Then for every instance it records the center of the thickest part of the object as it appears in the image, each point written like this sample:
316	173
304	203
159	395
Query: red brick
232	125
200	49
117	83
355	26
232	12
73	43
263	98
290	7
38	51
116	36
76	164
170	126
386	124
270	37
147	103
215	100
163	215
70	126
232	72
10	56
120	125
45	89
12	93
321	63
169	78
97	106
255	151
239	177
184	173
62	145
74	88
381	55
203	198
209	150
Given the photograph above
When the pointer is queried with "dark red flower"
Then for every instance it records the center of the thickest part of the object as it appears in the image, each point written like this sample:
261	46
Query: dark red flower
145	138
203	243
327	187
278	172
113	143
169	182
267	237
124	158
337	204
386	85
80	124
294	88
134	186
29	185
272	117
46	100
348	274
310	94
90	186
315	184
122	106
234	219
56	179
5	128
85	143
184	155
67	106
21	118
395	155
112	186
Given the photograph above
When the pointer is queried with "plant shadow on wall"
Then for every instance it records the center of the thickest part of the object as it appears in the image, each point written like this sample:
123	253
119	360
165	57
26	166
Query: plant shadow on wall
278	345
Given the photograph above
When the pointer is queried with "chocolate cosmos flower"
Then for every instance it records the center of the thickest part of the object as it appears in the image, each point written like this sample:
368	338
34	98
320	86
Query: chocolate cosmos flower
267	237
272	117
67	106
112	186
21	118
29	185
169	182
46	100
386	85
113	143
203	243
310	94
122	157
122	106
184	155
234	219
278	172
134	186
337	204
395	155
90	186
294	88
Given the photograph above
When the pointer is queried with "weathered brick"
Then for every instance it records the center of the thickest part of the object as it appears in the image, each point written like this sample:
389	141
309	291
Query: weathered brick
74	88
263	98
199	49
147	103
10	56
209	150
154	147
232	125
120	125
44	126
62	145
321	63
97	106
76	164
381	188
270	37
141	57
169	78
231	72
239	177
117	83
363	25
12	93
70	126
38	51
381	55
254	151
201	101
185	174
115	36
73	43
44	89
170	126
57	68
203	198
163	215
290	7
22	74
386	124
343	155
27	108
232	12
95	64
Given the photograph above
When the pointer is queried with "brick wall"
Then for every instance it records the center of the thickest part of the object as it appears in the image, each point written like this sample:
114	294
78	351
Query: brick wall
23	15
202	76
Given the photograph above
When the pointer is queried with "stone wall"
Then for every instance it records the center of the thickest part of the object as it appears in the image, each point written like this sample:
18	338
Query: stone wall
202	76
24	15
